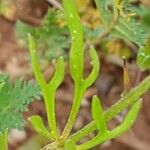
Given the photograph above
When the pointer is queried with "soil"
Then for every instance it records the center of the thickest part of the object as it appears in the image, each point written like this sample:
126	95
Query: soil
109	85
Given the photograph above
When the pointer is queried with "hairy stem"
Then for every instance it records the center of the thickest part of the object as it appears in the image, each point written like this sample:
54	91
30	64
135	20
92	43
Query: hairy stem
110	113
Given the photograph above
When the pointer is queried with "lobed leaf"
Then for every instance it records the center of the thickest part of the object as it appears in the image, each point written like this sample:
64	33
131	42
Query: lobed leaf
14	99
102	6
52	39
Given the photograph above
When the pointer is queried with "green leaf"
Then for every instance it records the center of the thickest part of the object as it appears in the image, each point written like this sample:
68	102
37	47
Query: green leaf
128	121
40	128
95	71
102	6
52	39
143	58
58	75
14	99
70	145
123	22
1	85
131	30
97	113
77	46
3	140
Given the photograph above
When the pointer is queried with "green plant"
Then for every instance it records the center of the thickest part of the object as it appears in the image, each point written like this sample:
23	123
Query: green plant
143	57
51	37
65	140
14	99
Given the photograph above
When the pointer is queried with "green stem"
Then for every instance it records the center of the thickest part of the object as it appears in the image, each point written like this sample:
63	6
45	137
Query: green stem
110	113
48	89
3	140
95	141
76	60
123	127
75	109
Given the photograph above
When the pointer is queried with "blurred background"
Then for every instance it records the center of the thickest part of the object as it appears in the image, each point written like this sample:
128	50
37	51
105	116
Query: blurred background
45	20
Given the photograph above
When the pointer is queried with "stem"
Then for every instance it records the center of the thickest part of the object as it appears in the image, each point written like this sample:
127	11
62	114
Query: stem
110	113
76	60
49	99
123	127
95	141
48	89
74	111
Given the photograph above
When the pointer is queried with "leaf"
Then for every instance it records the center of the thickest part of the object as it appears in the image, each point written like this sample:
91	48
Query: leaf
52	39
38	125
131	30
123	22
1	85
70	145
102	6
77	45
14	99
95	70
143	57
97	113
128	121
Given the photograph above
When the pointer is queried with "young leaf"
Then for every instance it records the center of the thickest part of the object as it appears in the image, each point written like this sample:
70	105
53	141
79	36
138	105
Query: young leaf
97	113
70	145
40	128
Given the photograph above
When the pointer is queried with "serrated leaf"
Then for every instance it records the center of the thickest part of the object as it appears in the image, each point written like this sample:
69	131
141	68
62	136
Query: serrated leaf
52	39
38	125
131	30
14	99
123	22
102	6
97	113
70	145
